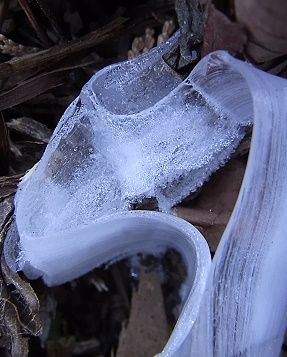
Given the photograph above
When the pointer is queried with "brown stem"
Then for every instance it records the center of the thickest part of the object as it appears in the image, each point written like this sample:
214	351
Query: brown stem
50	57
35	24
50	14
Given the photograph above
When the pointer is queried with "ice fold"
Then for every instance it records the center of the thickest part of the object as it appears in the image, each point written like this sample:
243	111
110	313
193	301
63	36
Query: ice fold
138	130
244	311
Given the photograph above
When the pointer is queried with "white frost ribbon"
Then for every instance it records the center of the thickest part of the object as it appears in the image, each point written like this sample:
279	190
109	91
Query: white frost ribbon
137	130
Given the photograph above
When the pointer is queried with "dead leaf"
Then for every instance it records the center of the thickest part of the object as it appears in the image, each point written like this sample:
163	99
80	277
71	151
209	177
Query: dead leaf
18	302
8	187
211	210
25	155
30	128
30	88
147	331
265	21
10	327
24	298
11	336
222	34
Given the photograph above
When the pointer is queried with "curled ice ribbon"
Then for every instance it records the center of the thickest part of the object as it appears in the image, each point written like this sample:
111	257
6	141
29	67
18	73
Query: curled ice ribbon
138	130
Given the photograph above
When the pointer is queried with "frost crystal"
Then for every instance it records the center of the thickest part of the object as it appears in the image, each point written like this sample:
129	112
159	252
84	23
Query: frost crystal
137	130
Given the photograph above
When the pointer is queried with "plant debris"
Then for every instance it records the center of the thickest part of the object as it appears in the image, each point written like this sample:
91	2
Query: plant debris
19	303
147	321
211	209
265	22
222	34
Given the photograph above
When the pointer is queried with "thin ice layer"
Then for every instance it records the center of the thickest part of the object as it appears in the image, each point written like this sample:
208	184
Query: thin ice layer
137	130
244	312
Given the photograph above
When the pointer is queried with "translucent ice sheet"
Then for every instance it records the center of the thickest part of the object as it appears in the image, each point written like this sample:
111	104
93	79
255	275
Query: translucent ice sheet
244	312
137	130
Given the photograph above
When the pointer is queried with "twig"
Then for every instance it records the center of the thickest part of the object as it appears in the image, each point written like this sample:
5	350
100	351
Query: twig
35	86
35	24
30	89
52	18
55	55
47	58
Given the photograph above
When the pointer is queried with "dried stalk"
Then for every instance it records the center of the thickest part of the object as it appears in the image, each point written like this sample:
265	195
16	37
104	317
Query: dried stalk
34	22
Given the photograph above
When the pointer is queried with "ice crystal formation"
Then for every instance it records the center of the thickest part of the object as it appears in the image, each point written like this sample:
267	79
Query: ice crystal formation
138	130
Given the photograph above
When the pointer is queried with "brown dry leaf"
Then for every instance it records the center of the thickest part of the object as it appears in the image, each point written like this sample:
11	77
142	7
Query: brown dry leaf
147	331
8	187
222	34
31	88
6	208
30	128
265	21
25	154
24	298
211	210
18	302
11	337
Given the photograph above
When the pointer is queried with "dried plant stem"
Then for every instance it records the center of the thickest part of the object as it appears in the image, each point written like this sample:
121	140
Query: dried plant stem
33	20
52	56
48	11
